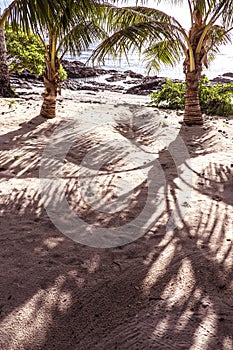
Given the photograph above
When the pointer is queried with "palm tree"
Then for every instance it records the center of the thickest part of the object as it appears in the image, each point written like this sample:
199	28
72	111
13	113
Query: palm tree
163	39
75	28
29	13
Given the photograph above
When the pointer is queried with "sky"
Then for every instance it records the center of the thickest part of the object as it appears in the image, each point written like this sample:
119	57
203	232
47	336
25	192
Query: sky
181	13
177	11
3	3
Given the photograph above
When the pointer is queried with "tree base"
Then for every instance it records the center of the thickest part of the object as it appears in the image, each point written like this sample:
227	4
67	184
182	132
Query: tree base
193	119
7	92
48	109
46	116
192	123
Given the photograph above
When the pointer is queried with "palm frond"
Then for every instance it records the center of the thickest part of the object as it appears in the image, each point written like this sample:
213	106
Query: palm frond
135	37
166	52
135	28
217	36
31	13
79	38
115	18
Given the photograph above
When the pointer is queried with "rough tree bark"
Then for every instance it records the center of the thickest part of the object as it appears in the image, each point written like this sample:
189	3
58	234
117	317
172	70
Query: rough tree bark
192	113
5	89
52	88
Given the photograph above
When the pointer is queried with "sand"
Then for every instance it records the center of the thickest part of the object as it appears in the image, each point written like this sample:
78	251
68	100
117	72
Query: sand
143	258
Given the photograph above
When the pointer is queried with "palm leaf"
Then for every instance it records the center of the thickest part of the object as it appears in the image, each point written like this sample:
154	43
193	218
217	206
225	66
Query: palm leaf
79	38
135	28
166	52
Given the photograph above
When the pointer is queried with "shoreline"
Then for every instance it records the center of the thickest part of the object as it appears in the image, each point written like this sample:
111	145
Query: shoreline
81	77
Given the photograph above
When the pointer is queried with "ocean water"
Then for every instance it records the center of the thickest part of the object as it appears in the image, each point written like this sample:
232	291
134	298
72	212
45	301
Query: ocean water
223	63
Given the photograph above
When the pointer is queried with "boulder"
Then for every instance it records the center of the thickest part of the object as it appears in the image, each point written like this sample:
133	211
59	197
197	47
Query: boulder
146	87
229	74
222	79
133	75
116	77
77	69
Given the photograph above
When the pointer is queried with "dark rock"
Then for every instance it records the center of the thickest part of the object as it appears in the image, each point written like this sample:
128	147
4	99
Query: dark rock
221	80
146	87
21	84
71	85
25	80
116	77
103	86
148	78
26	75
133	75
229	74
88	87
133	82
77	69
102	71
76	86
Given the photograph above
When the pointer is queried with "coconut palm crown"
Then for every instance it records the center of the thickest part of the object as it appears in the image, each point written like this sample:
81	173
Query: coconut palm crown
75	28
63	26
163	39
29	14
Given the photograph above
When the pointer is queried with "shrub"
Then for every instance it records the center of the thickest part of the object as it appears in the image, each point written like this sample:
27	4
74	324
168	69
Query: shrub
25	50
172	95
214	99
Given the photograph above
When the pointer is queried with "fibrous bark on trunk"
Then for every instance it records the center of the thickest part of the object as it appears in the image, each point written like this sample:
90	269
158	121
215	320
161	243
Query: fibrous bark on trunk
52	88
48	109
192	113
5	89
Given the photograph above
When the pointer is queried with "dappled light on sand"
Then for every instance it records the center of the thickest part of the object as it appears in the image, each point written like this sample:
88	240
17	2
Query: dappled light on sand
172	288
35	316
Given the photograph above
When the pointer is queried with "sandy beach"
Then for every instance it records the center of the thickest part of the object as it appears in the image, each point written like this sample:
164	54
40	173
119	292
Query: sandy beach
144	257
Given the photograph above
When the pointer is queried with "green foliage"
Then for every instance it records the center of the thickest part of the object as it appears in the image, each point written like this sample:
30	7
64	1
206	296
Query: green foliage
164	124
11	103
27	51
62	73
171	96
24	51
214	99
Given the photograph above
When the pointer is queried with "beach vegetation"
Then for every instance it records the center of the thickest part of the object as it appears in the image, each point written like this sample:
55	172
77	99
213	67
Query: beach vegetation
24	50
214	99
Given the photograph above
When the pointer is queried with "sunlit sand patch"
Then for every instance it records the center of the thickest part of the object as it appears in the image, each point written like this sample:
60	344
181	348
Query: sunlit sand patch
159	267
29	323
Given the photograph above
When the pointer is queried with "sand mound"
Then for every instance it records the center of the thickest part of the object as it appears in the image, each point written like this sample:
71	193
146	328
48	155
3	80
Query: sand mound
129	172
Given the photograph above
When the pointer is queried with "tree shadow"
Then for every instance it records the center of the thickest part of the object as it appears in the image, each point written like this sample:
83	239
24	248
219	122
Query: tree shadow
169	289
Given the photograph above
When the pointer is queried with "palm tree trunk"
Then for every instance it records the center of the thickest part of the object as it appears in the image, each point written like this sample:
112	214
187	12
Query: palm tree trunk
192	111
48	109
52	88
5	89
